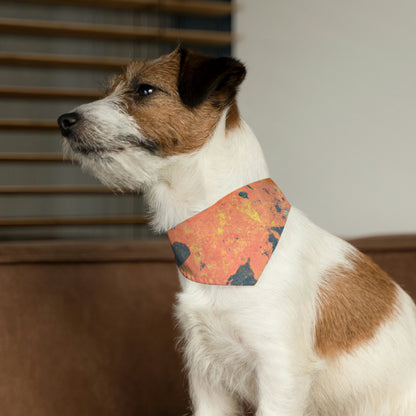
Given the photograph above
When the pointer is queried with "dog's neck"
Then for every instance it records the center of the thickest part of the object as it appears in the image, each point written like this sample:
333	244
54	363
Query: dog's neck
191	183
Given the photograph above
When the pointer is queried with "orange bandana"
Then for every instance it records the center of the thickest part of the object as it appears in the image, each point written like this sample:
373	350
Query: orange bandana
231	242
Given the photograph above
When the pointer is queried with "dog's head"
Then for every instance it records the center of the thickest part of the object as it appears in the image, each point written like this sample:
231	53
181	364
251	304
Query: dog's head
154	111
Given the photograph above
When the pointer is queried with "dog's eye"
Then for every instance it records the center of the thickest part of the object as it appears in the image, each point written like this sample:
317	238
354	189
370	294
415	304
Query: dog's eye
143	90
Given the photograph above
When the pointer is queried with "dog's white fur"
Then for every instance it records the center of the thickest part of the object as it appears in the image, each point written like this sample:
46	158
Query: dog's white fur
256	343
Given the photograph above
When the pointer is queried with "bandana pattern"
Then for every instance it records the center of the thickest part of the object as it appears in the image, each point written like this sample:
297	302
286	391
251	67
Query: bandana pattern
231	242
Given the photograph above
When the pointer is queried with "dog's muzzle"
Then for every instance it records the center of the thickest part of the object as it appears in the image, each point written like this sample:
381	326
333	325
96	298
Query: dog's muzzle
67	123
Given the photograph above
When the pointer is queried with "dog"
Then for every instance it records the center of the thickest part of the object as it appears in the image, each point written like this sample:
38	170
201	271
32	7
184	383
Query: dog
319	329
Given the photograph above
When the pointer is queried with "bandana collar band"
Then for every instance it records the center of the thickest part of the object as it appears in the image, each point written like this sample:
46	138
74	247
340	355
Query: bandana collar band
231	242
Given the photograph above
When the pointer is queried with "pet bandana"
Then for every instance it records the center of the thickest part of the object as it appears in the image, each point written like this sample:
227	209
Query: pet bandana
231	242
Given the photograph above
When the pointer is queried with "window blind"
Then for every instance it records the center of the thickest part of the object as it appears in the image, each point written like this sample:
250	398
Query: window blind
55	55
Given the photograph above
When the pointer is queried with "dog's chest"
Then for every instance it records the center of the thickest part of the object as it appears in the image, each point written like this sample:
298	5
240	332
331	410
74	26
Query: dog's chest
214	342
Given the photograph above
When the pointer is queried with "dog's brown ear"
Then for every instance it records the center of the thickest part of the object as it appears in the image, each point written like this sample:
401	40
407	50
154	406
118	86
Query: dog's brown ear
202	77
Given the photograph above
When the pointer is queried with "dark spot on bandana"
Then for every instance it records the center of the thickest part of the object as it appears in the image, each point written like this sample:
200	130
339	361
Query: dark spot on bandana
279	230
278	209
202	265
273	240
243	195
248	186
243	277
265	253
181	252
266	190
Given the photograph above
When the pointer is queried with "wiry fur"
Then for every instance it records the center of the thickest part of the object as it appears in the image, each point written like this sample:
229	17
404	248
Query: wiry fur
258	344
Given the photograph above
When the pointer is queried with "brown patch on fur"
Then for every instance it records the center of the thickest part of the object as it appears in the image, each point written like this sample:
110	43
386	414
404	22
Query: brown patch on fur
162	117
233	116
113	83
354	302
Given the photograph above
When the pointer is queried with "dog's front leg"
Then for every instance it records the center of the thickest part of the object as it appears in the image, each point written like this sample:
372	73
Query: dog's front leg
209	399
283	386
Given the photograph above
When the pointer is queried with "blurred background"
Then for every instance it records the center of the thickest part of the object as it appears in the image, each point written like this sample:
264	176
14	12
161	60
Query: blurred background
330	93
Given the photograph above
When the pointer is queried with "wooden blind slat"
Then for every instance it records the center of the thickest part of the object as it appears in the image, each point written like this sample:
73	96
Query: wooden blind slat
28	125
32	157
202	8
67	221
61	29
56	61
48	93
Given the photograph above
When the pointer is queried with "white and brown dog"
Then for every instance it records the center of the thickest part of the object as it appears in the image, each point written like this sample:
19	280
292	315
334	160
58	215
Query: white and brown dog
324	331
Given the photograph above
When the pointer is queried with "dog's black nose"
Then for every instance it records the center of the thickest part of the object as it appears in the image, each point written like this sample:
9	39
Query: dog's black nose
67	121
